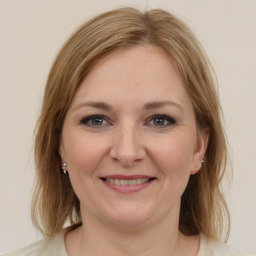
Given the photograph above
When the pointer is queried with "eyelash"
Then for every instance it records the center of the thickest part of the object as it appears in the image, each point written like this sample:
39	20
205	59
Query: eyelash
165	118
90	118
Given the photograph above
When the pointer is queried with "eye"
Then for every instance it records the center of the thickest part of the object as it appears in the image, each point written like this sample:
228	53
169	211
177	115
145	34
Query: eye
161	120
94	120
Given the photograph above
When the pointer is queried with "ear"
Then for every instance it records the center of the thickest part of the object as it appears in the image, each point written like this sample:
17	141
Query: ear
199	151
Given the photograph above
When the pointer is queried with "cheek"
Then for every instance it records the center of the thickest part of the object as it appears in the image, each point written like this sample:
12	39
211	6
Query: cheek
173	155
83	153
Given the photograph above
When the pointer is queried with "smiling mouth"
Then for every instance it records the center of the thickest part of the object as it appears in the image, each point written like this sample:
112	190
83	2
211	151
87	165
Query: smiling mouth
127	182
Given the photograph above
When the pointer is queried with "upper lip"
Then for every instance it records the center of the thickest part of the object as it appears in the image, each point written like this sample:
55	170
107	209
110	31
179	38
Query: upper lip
127	177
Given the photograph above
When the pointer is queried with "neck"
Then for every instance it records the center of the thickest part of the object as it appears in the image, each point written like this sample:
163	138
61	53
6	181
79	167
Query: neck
160	238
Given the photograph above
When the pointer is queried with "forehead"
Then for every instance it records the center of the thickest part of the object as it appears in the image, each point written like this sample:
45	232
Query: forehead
142	73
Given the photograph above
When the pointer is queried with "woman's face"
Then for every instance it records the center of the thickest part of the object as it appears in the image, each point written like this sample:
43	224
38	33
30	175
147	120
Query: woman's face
130	139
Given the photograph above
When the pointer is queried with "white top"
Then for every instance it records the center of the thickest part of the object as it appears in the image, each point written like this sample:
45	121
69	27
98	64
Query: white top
56	246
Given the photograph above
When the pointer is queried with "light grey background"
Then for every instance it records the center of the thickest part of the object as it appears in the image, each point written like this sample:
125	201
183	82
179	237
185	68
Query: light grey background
31	32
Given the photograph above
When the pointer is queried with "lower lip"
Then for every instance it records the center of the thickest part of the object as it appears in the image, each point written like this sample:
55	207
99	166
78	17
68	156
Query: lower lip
126	189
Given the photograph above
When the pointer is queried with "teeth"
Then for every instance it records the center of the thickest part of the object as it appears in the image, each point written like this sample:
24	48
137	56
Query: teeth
127	182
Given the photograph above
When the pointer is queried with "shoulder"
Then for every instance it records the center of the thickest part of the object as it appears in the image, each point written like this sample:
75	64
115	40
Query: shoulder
49	246
216	248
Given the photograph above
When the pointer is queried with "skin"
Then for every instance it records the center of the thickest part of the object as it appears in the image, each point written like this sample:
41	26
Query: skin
129	140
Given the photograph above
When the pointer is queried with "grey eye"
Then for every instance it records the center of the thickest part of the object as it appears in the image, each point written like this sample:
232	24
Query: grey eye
161	120
97	121
94	120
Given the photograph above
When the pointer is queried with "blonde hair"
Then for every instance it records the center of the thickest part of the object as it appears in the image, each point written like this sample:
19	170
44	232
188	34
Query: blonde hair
203	208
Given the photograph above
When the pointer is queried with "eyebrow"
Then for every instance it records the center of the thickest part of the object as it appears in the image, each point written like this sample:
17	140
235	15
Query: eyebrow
158	104
147	106
99	105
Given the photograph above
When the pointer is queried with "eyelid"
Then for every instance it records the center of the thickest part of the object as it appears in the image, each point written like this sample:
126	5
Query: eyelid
170	119
85	120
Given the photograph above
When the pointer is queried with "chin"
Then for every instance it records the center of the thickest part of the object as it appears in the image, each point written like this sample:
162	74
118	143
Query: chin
129	216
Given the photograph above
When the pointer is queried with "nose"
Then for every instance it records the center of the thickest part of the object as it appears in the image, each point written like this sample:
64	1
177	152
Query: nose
127	147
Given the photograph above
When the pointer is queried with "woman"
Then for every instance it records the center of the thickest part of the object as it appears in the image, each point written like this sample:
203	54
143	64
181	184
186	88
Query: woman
130	149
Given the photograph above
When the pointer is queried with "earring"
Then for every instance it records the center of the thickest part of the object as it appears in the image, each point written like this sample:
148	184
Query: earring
64	167
202	161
